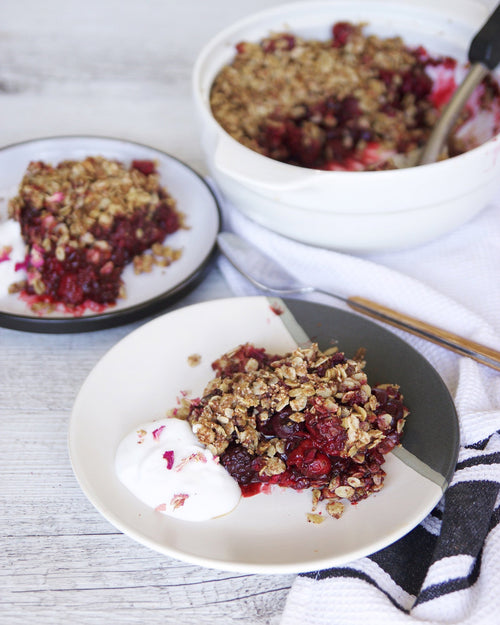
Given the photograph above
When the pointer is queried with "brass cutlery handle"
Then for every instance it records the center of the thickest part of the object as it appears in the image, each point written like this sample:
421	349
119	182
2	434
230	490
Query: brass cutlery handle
464	347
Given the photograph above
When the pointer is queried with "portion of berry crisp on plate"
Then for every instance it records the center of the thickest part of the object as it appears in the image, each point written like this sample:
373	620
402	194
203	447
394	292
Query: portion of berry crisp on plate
305	420
82	222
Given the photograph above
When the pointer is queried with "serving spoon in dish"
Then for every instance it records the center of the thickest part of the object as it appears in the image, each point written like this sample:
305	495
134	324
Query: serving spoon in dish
268	275
484	56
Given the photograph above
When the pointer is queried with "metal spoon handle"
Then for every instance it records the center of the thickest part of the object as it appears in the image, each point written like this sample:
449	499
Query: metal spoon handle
464	347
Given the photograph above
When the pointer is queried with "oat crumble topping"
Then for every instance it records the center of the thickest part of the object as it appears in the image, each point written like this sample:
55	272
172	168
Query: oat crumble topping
308	419
315	518
194	360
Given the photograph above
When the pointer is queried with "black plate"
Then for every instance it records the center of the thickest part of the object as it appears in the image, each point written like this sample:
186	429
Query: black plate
147	294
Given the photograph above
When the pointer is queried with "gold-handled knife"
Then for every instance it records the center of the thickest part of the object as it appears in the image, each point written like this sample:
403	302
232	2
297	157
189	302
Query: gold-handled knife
268	275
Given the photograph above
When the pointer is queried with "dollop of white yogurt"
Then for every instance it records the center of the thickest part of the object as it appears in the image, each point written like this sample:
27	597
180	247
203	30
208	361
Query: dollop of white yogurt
11	240
165	466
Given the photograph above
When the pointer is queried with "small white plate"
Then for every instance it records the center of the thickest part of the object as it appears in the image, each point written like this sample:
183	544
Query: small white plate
146	373
146	293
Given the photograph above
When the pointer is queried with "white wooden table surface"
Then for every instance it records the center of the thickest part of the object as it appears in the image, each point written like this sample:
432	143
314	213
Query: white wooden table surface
117	68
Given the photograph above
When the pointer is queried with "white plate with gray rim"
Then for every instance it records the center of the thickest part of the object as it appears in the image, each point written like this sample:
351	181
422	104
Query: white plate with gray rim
143	376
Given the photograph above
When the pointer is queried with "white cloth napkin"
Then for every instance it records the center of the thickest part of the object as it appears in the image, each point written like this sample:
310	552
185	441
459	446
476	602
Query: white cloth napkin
453	283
